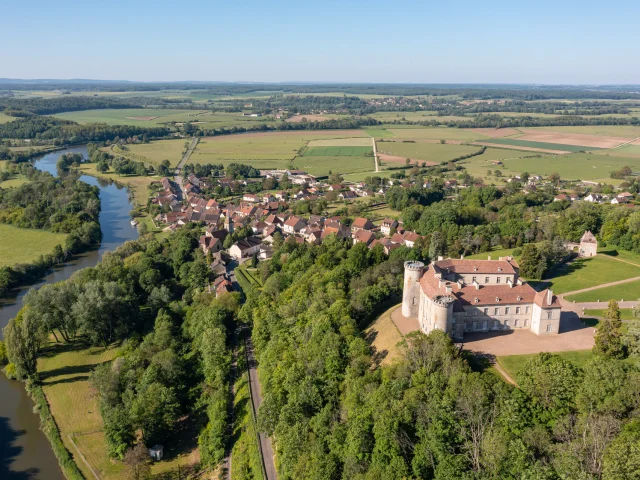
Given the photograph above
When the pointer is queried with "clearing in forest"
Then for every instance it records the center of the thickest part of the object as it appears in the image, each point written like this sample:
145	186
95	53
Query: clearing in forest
25	245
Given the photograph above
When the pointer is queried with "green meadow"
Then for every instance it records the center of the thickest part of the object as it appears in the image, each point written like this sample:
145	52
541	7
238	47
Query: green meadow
25	245
544	145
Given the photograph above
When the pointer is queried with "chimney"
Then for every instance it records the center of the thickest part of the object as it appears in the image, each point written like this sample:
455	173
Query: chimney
489	257
549	296
476	284
440	258
509	282
448	289
461	257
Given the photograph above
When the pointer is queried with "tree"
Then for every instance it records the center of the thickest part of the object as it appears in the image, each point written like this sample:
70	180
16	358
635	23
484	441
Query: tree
23	341
608	342
532	264
137	461
622	458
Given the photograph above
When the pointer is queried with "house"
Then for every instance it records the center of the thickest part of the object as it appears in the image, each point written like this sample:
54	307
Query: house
363	236
220	286
337	229
250	197
461	296
361	224
315	237
593	198
335	187
387	245
245	248
410	239
210	244
348	195
294	225
624	197
387	225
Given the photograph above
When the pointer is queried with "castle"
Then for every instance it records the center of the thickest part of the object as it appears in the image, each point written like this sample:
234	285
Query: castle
459	296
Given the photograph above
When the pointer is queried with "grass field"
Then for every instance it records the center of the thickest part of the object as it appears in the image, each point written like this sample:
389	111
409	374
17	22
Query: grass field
6	118
342	142
430	152
591	272
160	150
624	291
139	185
543	145
494	254
574	166
606	130
22	245
513	364
379	132
436	133
613	251
626	313
384	336
408	116
478	165
337	151
16	181
130	116
631	151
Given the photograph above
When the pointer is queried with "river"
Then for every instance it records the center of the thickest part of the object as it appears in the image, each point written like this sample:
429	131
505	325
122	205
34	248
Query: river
25	452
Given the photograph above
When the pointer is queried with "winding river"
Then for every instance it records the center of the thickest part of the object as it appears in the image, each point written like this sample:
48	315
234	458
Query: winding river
25	452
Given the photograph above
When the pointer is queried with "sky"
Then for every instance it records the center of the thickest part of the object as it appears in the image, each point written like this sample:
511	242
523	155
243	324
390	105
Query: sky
455	41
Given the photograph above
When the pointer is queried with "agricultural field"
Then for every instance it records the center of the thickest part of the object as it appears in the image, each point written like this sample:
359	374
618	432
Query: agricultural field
477	166
623	291
157	151
590	272
25	245
630	151
627	131
436	133
322	165
556	147
575	166
342	142
429	152
337	151
379	132
402	116
130	116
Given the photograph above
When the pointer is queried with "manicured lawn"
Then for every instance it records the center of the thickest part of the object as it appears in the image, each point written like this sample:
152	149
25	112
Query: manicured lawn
160	150
494	254
625	291
513	364
430	152
384	336
25	245
613	251
591	272
626	313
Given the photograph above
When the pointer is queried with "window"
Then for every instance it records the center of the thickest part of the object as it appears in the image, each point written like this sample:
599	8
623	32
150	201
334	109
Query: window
548	327
507	310
486	279
549	315
414	300
526	309
517	310
526	322
473	279
506	324
486	311
497	279
515	324
496	311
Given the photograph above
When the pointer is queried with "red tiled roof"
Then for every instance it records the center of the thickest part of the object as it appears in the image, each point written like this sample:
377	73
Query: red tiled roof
476	266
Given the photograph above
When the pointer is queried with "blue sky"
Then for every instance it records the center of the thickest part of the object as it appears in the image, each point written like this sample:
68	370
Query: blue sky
459	41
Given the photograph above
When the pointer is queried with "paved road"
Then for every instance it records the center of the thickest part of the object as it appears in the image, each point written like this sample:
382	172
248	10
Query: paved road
178	172
375	153
256	399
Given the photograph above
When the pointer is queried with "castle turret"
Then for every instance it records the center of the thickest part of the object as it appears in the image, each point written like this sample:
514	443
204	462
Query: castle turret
411	292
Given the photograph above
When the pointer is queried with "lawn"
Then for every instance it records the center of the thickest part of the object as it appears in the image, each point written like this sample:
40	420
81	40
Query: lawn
384	336
513	364
624	291
160	150
543	145
337	151
25	245
625	255
494	254
430	152
436	133
631	151
590	272
65	371
574	166
626	313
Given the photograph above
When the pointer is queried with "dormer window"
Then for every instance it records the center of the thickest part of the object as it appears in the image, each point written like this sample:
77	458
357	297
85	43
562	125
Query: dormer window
519	298
499	269
476	300
497	299
475	269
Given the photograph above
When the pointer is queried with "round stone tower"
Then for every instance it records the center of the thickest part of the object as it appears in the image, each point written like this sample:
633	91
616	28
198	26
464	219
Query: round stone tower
442	312
411	292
